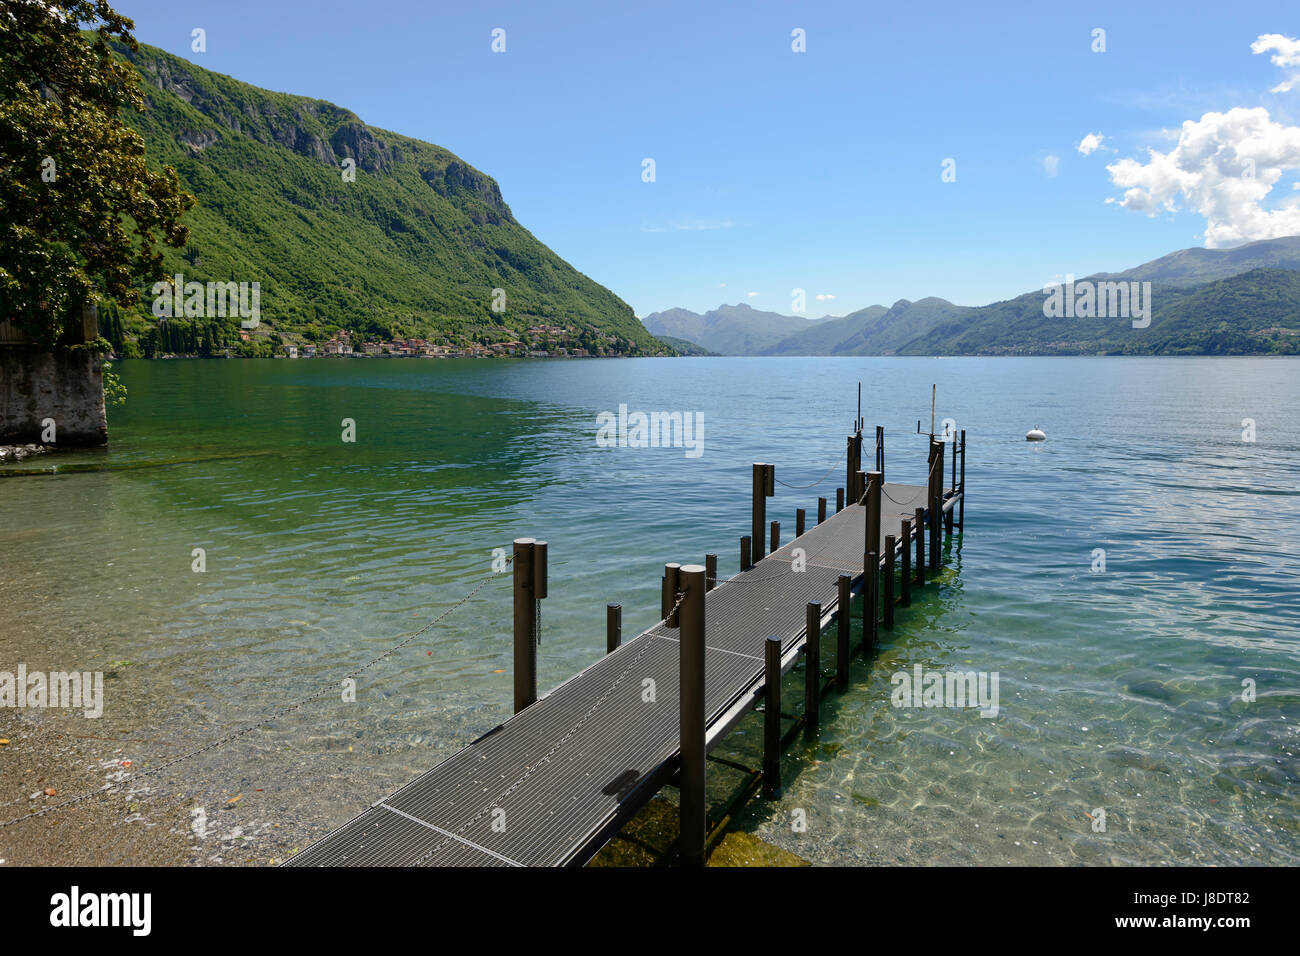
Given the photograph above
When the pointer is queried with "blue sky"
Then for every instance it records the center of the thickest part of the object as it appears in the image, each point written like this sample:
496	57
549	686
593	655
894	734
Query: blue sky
821	170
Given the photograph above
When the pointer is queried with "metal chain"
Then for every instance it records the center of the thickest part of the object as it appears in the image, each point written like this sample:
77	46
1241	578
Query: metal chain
329	688
815	483
902	504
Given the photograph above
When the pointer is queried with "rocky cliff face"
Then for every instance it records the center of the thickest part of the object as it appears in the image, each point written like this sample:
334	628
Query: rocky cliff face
312	128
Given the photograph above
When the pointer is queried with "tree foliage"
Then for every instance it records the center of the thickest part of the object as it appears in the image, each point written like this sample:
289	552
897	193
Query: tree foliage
81	213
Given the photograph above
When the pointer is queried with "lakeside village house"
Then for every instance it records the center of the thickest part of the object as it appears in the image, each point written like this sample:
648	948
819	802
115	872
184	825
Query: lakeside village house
340	343
542	341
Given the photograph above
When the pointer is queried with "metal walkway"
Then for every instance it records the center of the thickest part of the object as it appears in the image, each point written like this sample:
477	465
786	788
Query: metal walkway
553	783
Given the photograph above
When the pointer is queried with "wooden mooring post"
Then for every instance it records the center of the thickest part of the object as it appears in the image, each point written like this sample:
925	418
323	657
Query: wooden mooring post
874	486
799	518
613	627
529	588
821	510
776	537
764	488
671	584
852	466
710	571
691	722
745	562
839	500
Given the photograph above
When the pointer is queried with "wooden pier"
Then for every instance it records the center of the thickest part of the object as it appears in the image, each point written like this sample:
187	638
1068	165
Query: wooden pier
551	785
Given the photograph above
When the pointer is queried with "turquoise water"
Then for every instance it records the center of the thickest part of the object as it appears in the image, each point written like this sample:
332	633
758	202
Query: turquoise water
1119	690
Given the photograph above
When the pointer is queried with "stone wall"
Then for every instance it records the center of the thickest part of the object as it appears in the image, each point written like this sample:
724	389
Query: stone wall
65	385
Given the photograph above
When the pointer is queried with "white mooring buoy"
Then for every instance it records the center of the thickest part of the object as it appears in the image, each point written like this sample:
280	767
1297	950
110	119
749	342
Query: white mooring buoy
1036	434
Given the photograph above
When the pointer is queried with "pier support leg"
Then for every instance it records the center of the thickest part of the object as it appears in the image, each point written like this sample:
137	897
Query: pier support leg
888	597
843	624
691	717
961	505
905	575
812	685
870	607
772	717
950	514
920	547
525	625
613	627
936	507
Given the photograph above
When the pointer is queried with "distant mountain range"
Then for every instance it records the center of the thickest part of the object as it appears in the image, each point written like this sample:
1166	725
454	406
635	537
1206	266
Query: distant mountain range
729	329
1239	301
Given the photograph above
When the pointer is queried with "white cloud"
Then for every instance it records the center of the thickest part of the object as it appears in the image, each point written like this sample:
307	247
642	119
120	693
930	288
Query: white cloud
1223	167
1090	143
751	294
824	296
1286	55
1051	163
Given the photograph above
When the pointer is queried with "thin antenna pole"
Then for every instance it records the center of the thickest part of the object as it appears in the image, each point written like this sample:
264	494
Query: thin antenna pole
857	426
932	411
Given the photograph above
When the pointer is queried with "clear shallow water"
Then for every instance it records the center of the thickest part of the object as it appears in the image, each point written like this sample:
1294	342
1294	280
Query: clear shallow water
1118	690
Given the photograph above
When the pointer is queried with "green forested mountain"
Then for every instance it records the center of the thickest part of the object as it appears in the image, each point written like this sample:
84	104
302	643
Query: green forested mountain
1241	301
1189	267
1256	312
414	246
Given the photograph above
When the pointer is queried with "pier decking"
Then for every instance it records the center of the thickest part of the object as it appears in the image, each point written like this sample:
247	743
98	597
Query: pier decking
553	783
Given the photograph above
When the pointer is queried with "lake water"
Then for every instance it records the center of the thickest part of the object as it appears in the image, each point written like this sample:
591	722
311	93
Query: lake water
1120	690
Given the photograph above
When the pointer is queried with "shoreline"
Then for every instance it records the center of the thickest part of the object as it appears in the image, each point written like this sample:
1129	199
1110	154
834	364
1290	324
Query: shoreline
144	826
149	821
